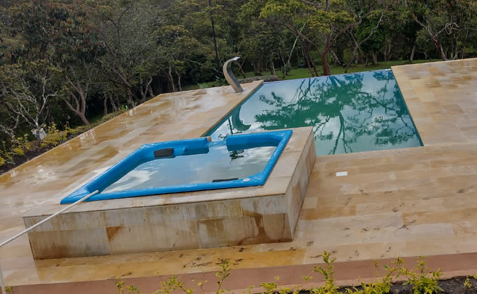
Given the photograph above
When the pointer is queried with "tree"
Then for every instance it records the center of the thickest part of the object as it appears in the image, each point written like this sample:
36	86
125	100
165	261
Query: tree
63	37
129	35
178	47
26	91
438	18
367	33
317	24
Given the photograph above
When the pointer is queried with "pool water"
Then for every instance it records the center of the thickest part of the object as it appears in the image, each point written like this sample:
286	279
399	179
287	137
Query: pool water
349	113
217	163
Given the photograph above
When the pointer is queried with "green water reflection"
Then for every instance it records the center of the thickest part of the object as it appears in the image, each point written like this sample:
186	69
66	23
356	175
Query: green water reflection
349	113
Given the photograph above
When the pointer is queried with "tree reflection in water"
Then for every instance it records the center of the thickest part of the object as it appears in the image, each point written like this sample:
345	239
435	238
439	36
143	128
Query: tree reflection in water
349	113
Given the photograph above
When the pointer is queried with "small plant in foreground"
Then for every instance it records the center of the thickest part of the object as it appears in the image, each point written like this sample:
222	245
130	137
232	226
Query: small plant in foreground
467	283
132	289
327	272
383	285
270	287
422	280
223	273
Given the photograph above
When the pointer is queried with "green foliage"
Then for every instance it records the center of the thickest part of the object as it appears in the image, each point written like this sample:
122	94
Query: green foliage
53	137
6	156
131	289
20	146
17	149
327	272
222	274
384	284
467	283
271	287
61	59
422	279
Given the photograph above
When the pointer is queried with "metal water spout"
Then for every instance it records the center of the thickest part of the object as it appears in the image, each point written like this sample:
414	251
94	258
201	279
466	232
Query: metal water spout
230	77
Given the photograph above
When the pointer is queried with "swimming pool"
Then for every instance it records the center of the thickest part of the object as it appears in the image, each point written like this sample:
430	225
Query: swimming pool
189	165
349	113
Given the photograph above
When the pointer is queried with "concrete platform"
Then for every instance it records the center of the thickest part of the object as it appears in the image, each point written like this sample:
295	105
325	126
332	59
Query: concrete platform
402	202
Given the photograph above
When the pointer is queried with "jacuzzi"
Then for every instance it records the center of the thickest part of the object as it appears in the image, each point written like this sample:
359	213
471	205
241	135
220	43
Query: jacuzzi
189	165
238	190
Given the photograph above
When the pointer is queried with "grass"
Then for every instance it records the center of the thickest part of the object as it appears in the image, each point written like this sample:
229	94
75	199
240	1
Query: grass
301	73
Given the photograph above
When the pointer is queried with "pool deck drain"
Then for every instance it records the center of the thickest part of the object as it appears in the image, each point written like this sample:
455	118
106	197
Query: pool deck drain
401	202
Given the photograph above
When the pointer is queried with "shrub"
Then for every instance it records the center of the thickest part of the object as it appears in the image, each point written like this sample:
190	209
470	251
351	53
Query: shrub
20	146
53	137
423	281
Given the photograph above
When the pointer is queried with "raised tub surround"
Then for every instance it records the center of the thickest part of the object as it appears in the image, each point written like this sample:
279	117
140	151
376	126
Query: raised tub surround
204	219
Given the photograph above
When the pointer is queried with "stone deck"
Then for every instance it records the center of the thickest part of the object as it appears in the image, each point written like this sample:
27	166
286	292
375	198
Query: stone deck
402	202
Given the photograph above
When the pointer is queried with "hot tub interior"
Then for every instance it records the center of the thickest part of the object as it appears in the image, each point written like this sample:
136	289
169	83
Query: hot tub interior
189	165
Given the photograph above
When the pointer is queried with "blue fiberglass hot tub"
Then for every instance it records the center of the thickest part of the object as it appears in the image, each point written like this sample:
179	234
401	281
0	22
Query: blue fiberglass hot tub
189	165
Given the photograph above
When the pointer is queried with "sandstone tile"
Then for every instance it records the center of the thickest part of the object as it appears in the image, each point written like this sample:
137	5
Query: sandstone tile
310	203
216	232
59	244
432	205
336	212
264	205
152	238
465	228
421	218
357	251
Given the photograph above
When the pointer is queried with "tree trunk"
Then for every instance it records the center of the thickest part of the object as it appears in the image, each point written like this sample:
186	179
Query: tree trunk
411	57
258	68
360	57
307	57
326	67
105	105
171	78
83	119
151	92
241	69
178	80
308	64
272	68
390	48
76	109
375	58
336	59
439	47
113	104
353	58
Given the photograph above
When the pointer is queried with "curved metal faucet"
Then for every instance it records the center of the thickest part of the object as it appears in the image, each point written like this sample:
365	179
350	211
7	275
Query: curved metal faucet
230	77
